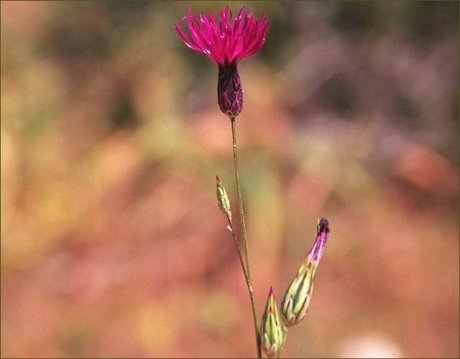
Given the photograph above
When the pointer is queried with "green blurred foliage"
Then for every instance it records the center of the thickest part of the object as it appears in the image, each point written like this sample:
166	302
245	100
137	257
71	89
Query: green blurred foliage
111	137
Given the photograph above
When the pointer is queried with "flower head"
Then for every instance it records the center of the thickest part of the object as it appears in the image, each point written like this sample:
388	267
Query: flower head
226	41
297	297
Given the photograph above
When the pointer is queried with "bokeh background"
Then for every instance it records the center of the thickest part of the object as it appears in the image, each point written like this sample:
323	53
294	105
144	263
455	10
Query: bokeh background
111	137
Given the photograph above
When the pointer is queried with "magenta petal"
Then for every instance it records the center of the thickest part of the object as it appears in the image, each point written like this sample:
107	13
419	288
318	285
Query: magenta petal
227	39
185	39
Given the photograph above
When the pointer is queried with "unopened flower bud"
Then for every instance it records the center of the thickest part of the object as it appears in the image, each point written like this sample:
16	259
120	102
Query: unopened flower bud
297	297
222	197
229	90
271	329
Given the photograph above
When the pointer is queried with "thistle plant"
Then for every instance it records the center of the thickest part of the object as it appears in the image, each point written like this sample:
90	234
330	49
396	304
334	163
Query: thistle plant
226	40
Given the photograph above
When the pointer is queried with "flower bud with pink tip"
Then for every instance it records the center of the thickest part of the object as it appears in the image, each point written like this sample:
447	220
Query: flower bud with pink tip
297	297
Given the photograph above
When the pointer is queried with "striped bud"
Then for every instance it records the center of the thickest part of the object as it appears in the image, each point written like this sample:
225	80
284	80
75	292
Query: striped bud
271	329
230	90
222	198
297	297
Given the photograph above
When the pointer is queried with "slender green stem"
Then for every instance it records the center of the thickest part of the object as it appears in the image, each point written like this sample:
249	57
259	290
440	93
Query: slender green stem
240	257
235	239
245	238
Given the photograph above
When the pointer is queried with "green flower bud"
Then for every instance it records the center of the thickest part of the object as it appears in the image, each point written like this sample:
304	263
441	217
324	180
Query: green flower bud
271	329
222	198
297	297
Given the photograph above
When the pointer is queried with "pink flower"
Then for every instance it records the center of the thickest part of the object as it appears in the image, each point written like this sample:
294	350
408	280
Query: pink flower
226	41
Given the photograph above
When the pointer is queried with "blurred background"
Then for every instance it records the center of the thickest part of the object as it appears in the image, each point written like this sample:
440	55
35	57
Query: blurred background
111	137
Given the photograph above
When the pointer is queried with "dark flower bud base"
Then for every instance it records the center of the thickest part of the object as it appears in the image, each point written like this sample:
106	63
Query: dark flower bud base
230	90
